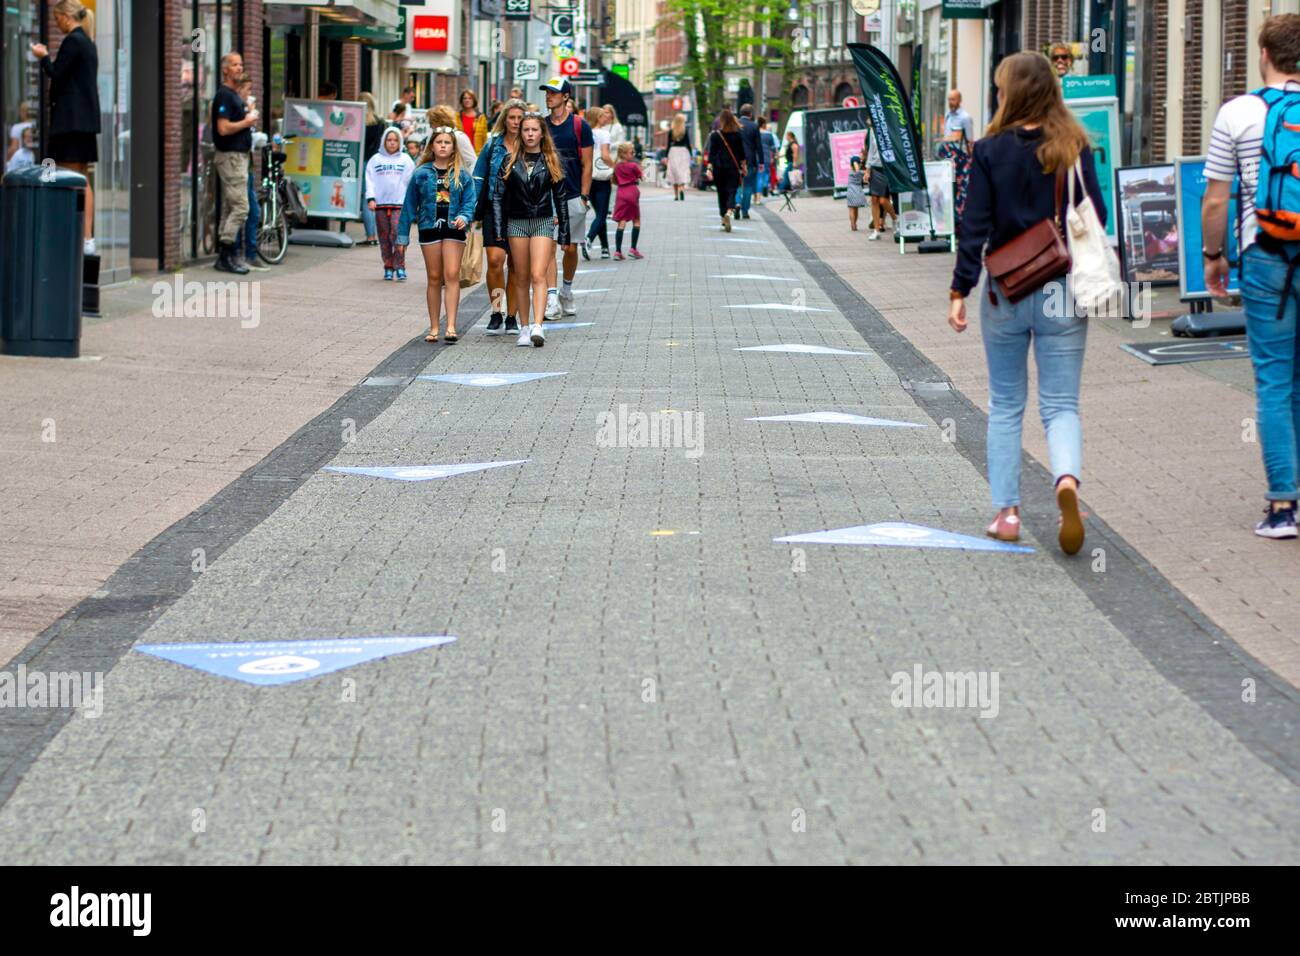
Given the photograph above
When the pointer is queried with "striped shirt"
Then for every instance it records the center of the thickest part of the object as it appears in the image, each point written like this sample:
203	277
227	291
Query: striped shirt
1235	145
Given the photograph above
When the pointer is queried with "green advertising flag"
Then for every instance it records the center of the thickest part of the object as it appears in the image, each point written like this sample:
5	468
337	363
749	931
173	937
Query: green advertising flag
890	111
918	57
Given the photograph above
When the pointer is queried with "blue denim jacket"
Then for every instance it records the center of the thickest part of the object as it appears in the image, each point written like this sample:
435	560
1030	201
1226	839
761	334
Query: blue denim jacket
421	206
488	168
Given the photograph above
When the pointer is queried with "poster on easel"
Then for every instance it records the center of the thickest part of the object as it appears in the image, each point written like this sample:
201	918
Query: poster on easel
324	157
1148	223
1189	190
914	210
1099	117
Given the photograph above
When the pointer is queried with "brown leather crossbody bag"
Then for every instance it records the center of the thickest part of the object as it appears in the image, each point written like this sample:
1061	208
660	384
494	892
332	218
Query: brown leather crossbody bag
1032	259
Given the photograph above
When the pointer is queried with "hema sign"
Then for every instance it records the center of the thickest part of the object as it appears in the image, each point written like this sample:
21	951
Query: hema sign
429	34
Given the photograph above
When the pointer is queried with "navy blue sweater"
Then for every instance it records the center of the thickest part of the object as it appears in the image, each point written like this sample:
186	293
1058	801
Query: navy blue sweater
1007	193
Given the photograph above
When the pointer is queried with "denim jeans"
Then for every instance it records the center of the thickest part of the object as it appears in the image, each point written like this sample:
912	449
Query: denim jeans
368	219
748	186
601	191
1275	354
1008	329
247	238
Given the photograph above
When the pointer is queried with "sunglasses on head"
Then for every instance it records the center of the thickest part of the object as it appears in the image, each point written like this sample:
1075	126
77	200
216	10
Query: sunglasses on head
442	129
532	114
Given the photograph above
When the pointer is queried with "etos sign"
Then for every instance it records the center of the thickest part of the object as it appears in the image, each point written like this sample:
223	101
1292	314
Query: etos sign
430	34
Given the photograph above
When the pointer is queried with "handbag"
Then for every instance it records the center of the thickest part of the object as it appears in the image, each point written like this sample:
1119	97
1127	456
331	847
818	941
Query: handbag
1095	283
471	263
1032	259
601	171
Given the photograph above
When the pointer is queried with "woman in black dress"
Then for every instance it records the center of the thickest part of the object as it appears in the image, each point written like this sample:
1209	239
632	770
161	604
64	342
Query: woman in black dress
74	98
727	159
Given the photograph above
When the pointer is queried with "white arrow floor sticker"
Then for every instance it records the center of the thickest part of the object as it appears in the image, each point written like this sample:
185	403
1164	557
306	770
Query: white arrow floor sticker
424	472
567	325
900	534
835	418
488	379
750	275
757	242
804	349
753	258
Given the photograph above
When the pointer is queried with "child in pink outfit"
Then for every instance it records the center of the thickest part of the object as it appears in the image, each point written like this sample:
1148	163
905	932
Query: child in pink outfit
627	207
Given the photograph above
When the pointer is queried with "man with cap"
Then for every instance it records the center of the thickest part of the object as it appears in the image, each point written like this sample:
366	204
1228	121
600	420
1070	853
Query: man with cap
574	142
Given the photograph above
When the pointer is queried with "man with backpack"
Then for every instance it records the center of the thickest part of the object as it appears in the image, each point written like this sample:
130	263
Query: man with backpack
574	142
1253	140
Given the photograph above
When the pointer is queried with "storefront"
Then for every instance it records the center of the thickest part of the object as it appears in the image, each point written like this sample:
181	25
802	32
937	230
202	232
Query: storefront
22	100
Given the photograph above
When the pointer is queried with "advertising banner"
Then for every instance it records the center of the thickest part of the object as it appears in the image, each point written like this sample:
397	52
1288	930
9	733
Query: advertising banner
890	110
844	146
1189	183
1100	119
914	210
1148	224
325	155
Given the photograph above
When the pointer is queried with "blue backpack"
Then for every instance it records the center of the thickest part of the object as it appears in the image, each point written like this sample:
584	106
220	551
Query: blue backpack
1277	198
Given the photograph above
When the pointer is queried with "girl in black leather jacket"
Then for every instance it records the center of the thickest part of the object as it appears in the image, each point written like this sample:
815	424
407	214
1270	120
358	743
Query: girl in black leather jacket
532	213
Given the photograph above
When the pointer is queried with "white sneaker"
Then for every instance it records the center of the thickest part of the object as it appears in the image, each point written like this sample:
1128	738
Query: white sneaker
552	307
538	337
88	247
874	237
567	305
524	341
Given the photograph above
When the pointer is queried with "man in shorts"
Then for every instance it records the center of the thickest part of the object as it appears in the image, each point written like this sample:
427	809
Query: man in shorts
574	142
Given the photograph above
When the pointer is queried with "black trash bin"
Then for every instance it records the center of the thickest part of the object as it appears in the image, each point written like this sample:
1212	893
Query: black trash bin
41	215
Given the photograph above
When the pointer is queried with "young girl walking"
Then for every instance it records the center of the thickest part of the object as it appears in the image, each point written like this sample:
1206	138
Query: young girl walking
388	173
627	207
440	201
536	214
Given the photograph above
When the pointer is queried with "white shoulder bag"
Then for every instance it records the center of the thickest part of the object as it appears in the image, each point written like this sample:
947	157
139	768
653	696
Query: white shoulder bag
1095	283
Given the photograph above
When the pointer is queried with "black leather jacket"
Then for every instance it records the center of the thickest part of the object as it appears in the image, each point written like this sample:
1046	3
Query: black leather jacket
531	197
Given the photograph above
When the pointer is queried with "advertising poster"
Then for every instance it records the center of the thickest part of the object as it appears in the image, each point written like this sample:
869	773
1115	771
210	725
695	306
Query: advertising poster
914	214
1100	118
325	154
1189	182
844	146
819	156
1148	224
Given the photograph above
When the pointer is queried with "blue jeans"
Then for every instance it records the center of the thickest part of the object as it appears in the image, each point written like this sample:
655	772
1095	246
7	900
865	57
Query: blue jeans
1275	353
1058	340
748	187
248	237
368	219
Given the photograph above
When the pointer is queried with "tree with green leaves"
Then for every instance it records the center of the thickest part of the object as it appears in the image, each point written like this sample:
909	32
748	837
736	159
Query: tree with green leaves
719	30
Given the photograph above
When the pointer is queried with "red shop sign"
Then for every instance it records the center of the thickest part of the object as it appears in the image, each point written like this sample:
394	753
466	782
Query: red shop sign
430	33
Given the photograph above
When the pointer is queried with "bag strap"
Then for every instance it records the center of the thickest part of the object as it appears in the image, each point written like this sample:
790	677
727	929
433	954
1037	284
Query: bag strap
723	137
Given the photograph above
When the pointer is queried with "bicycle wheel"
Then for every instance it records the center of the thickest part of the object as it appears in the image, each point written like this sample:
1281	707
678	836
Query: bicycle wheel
272	232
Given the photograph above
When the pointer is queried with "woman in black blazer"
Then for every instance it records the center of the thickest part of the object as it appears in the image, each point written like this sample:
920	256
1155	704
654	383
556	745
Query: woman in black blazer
74	97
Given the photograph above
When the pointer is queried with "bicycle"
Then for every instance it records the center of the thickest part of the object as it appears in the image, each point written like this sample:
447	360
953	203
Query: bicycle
273	196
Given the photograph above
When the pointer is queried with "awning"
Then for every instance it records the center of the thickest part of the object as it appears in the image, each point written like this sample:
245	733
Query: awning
383	38
377	13
626	99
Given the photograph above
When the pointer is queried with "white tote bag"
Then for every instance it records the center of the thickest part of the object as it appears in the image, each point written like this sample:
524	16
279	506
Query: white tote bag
1095	284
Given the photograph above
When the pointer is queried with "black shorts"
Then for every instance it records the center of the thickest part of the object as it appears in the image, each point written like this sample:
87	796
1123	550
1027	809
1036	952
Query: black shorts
438	233
74	147
490	237
877	184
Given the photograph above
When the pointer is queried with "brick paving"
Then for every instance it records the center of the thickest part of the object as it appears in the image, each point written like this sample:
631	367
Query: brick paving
161	413
641	675
1164	457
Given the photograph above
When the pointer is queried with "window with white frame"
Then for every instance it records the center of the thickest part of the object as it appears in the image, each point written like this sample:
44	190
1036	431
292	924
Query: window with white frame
837	25
823	25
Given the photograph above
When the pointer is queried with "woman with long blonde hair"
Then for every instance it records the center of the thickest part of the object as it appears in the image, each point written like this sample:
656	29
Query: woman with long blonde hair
536	214
487	178
1017	181
440	201
74	99
679	157
446	116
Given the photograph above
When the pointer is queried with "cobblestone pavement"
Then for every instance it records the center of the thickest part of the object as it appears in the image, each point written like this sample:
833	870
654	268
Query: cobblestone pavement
641	675
1170	456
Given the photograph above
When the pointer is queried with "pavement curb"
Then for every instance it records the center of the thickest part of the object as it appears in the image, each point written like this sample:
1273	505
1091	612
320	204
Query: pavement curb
1179	641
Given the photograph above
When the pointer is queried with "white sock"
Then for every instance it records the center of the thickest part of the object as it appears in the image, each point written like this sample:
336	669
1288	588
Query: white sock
568	286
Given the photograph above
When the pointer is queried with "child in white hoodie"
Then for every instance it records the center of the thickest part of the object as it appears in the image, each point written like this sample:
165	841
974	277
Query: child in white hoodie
387	175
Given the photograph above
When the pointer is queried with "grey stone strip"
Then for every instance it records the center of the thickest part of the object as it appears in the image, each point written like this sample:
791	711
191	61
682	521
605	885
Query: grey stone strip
1187	648
98	631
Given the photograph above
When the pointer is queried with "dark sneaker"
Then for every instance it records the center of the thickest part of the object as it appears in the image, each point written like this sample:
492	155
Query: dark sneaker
1279	523
585	246
512	325
495	323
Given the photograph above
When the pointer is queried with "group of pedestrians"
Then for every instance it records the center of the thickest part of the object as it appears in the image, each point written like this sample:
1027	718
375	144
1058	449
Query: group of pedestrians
529	180
1032	158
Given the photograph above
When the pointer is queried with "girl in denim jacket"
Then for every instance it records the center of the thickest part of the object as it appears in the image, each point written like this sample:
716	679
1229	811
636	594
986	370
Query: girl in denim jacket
440	201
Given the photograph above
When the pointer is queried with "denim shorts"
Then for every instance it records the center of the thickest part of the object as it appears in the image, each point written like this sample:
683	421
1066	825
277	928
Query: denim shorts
540	228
